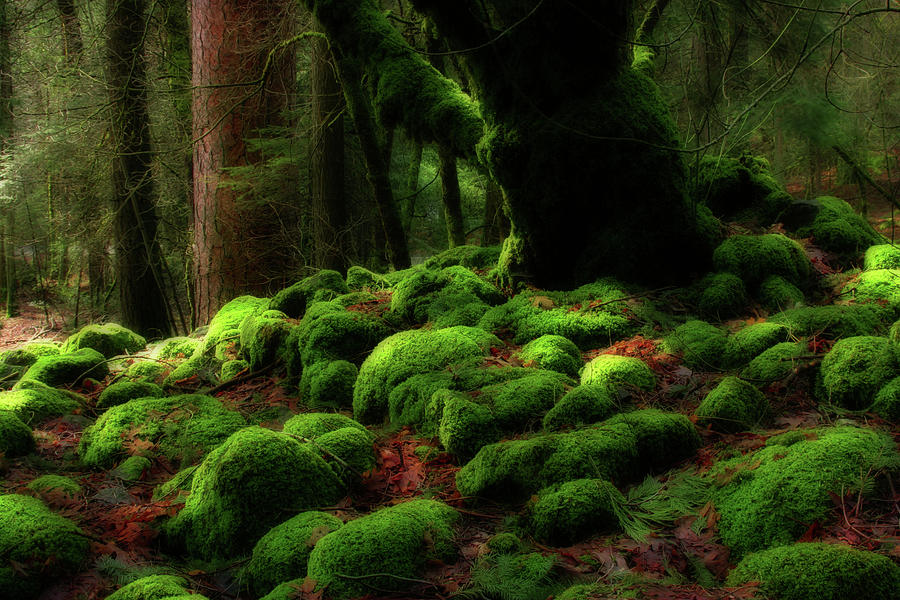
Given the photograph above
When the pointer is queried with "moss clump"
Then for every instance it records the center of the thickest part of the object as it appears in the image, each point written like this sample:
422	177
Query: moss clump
453	286
472	257
887	401
740	189
777	293
583	405
36	404
880	256
505	543
409	353
465	426
312	425
155	587
733	405
775	363
553	352
281	555
523	401
855	369
232	369
751	341
263	338
50	484
40	349
15	435
360	278
69	368
880	287
226	322
702	346
755	257
108	339
324	285
132	468
770	497
821	571
833	320
182	427
397	541
838	228
247	485
576	510
123	391
347	447
45	545
177	347
18	357
146	370
344	335
618	371
180	482
287	590
721	295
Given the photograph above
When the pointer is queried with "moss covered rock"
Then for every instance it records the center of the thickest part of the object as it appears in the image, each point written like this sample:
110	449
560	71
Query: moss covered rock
360	278
703	346
619	371
775	363
465	426
324	285
226	323
45	545
733	405
392	545
233	368
282	554
177	348
721	295
312	425
15	435
887	401
183	428
777	293
837	228
263	338
880	256
328	384
755	257
55	484
821	571
519	403
553	352
833	321
18	357
123	391
155	587
348	451
880	287
751	341
37	403
247	485
147	370
69	368
472	257
340	335
741	189
108	339
582	405
414	296
575	510
855	369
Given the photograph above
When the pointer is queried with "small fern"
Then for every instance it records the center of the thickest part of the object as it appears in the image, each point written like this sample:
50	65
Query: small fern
654	503
514	577
122	573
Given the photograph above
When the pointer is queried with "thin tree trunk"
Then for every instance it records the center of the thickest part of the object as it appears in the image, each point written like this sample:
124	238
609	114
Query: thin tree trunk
496	225
412	186
456	235
71	27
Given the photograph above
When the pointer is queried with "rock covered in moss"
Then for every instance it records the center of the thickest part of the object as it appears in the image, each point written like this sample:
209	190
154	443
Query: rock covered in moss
37	402
518	403
177	348
619	371
328	384
361	278
832	320
324	285
836	227
855	369
721	295
45	348
424	295
245	486
263	338
702	346
18	357
69	368
504	543
147	370
15	435
553	352
733	405
282	554
47	546
55	484
182	427
340	335
882	256
740	189
233	368
465	426
880	287
312	425
777	293
769	498
123	391
172	489
348	451
132	468
819	570
472	257
575	510
582	405
751	341
887	401
392	545
755	257
409	353
775	363
155	587
109	339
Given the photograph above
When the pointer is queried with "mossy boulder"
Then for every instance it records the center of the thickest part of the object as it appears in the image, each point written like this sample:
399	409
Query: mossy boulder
132	468
123	391
770	497
360	278
575	510
733	405
146	370
409	353
740	189
832	321
247	485
751	341
156	587
523	401
15	435
753	258
233	368
472	257
465	426
504	543
226	323
777	293
879	256
383	550
880	287
836	227
312	425
703	346
40	349
328	384
69	368
55	484
855	369
183	428
18	357
340	335
282	554
819	570
348	451
582	405
553	352
108	339
263	338
887	401
45	546
177	348
414	296
324	285
721	295
775	363
38	402
619	371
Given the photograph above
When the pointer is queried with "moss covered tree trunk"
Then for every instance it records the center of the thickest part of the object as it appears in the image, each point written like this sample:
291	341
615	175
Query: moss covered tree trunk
456	234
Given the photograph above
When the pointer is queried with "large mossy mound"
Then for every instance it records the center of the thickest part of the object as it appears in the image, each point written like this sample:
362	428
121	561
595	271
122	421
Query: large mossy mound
37	402
575	510
776	293
553	352
184	428
740	189
775	363
821	571
156	587
247	485
733	405
69	368
108	339
383	550
619	371
15	435
472	257
339	335
887	401
264	338
343	443
751	341
836	227
123	391
855	369
582	405
293	300
36	546
755	257
832	321
880	287
427	294
702	346
769	498
882	256
721	295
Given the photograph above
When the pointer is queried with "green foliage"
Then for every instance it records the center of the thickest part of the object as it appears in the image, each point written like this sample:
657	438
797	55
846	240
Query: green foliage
574	511
55	484
155	587
15	435
887	401
733	405
833	320
46	545
109	339
755	257
383	549
553	352
514	577
293	300
838	228
123	391
855	369
703	346
619	371
68	368
282	554
777	293
38	403
582	405
819	570
722	295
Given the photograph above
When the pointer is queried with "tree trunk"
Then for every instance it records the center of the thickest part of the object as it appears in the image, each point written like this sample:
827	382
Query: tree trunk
456	234
496	225
412	186
137	253
235	250
326	171
71	29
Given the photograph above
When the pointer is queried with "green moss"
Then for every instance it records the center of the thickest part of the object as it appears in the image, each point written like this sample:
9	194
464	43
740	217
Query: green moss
180	482
348	446
55	484
880	287
15	435
232	369
574	511
225	323
146	370
769	498
182	427
409	353
740	189
703	346
661	439
312	425
619	371
751	341
821	571
553	352
289	590
453	286
504	543
344	335
226	348
838	228
282	554
69	368
833	320
855	369
40	349
472	257
123	391
324	285
34	405
397	541
328	384
108	339
887	401
466	426
777	293
755	257
524	401
733	405
132	468
360	278
44	545
18	357
263	338
583	405
721	295
880	256
177	347
775	363
247	485
155	587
